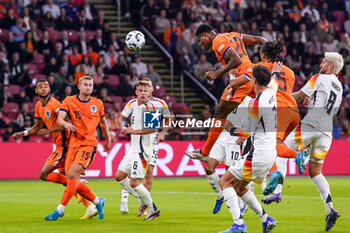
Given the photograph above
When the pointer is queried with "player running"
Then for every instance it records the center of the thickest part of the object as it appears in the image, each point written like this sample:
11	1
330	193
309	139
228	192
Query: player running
156	137
135	162
227	150
86	113
230	50
46	112
315	130
262	125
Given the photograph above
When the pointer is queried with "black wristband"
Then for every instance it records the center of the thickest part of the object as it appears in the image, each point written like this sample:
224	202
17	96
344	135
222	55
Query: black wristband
232	131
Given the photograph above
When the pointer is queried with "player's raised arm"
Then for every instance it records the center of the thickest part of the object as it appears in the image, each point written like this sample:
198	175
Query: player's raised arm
38	124
105	130
252	40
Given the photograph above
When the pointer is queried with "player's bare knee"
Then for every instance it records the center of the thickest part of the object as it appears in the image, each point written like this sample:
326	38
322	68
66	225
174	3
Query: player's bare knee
134	182
314	172
209	169
223	184
43	175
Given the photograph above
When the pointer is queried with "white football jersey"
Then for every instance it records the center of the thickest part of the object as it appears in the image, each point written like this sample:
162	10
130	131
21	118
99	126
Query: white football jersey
238	118
139	143
162	107
325	92
262	120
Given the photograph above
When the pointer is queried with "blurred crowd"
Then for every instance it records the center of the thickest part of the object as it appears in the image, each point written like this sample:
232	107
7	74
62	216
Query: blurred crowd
309	28
63	40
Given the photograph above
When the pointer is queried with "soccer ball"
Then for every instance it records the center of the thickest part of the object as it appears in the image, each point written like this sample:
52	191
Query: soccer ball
135	40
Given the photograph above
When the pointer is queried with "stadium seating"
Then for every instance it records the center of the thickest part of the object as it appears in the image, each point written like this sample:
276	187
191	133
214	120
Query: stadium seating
54	35
14	89
113	80
11	110
73	35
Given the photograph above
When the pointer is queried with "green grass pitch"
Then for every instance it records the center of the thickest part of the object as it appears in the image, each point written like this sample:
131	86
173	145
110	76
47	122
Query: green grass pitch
186	206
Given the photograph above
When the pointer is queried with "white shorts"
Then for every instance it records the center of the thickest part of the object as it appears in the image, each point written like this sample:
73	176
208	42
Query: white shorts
305	135
154	154
131	164
254	166
228	152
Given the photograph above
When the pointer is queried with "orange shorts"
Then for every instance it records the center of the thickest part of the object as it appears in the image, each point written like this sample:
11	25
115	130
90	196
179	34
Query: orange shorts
83	155
58	157
238	95
287	119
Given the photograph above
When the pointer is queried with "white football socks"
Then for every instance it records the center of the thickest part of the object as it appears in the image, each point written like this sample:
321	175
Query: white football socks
61	208
96	201
214	182
125	195
231	200
126	184
240	203
281	164
325	193
254	204
145	196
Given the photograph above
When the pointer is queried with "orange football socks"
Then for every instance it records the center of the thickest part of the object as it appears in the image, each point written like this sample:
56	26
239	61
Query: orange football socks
69	191
57	178
274	167
284	152
213	135
85	192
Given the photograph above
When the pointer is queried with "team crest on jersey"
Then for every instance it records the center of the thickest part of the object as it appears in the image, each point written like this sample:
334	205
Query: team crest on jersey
93	108
48	114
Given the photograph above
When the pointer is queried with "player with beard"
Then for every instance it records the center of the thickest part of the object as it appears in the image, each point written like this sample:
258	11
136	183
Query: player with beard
46	112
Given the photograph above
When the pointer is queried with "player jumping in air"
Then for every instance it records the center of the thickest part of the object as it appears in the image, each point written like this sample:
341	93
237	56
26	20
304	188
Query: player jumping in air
230	51
315	130
86	113
46	112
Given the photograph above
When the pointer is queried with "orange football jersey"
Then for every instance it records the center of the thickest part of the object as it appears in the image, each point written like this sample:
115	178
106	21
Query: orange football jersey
285	86
85	115
222	42
48	113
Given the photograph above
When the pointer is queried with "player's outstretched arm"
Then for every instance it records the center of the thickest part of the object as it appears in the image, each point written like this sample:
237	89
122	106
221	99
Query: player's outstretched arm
233	62
105	130
38	124
252	40
61	121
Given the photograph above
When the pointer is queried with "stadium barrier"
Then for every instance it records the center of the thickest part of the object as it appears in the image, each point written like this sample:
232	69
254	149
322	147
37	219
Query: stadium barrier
24	160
